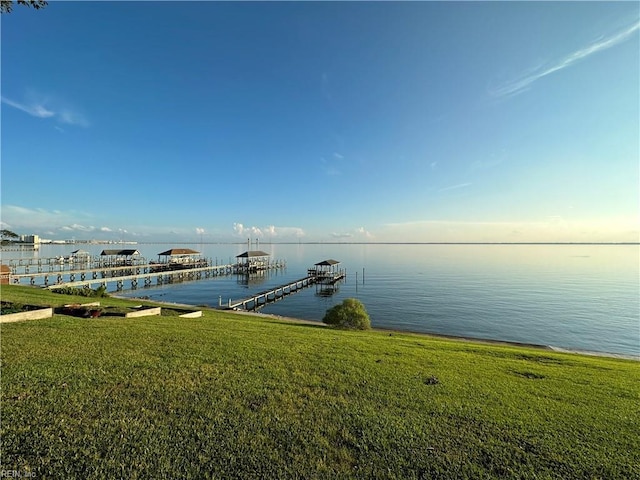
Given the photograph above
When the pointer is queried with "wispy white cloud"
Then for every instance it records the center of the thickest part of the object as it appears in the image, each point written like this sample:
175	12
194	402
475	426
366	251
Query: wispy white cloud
77	228
325	86
488	163
338	155
286	232
365	233
454	187
80	224
50	222
38	107
358	233
341	235
523	83
329	167
34	109
31	218
270	231
69	117
241	230
553	228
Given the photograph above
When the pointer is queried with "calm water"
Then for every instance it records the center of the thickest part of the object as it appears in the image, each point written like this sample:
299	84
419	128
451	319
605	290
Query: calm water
584	297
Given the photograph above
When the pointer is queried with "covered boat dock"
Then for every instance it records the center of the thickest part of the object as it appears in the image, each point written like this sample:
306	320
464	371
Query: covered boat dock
253	261
327	271
120	258
179	259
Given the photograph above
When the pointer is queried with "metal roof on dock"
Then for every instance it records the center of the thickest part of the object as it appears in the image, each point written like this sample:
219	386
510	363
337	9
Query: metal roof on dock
326	263
179	251
253	253
120	252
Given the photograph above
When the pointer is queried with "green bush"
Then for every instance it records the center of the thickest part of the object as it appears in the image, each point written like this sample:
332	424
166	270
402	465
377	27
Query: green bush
6	308
350	314
101	291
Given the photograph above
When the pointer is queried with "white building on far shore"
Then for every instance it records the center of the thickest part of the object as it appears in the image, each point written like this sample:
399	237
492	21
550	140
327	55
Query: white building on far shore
34	239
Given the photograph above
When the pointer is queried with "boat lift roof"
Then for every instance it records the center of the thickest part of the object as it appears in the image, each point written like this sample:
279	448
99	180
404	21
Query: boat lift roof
253	253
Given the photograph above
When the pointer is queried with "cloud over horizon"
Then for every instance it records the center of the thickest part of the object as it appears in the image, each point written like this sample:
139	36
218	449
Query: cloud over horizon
270	231
553	228
358	233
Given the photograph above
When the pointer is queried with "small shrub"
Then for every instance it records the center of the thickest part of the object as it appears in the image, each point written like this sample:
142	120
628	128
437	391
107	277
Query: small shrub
101	291
8	308
350	314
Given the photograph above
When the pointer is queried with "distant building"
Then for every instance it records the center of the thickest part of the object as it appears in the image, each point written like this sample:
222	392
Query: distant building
35	239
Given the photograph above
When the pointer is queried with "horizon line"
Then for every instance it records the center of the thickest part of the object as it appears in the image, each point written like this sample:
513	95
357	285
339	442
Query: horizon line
132	242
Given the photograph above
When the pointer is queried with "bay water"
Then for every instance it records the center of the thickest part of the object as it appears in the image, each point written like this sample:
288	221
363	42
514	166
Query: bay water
574	297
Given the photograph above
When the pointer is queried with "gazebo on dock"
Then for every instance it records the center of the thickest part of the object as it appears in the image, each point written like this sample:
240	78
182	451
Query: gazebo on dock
119	257
181	258
253	260
79	256
327	271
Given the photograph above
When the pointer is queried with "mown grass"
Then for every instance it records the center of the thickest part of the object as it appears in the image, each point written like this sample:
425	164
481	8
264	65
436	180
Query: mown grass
237	396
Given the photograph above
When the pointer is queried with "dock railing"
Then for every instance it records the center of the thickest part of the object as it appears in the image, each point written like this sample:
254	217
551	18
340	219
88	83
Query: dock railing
326	276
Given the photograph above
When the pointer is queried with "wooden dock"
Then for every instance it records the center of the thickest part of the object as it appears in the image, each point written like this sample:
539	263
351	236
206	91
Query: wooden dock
268	296
315	277
53	277
53	274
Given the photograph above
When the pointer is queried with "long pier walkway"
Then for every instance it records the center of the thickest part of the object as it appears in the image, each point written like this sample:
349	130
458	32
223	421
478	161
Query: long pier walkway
56	275
268	296
145	274
135	274
261	299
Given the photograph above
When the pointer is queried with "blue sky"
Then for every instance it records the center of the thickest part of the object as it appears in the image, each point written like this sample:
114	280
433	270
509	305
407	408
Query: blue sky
323	121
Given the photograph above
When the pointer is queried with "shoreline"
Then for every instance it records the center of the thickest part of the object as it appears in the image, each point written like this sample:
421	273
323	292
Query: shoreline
486	341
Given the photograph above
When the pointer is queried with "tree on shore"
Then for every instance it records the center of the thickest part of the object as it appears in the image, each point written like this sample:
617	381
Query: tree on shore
6	6
8	235
350	315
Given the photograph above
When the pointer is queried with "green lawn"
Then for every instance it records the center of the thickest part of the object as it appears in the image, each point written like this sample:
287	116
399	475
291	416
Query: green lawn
238	396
